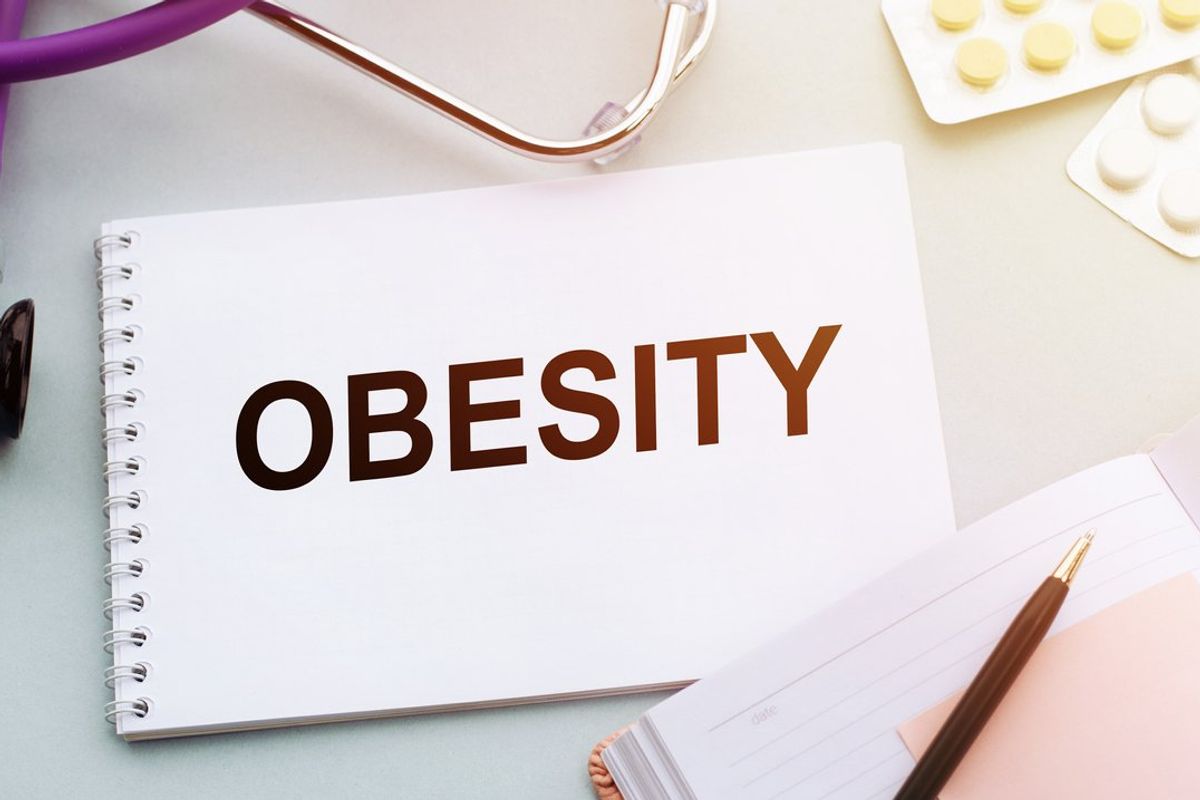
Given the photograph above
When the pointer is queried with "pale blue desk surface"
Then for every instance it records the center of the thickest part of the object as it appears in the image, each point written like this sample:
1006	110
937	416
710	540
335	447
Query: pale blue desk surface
1061	335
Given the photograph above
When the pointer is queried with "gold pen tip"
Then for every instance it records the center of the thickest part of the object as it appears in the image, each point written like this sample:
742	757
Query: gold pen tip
1074	558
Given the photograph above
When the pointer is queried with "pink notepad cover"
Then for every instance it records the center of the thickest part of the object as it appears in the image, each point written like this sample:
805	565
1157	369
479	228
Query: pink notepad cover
1109	708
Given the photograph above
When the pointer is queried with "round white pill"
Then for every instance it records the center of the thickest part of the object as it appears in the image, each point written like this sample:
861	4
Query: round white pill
1179	199
1170	103
1126	158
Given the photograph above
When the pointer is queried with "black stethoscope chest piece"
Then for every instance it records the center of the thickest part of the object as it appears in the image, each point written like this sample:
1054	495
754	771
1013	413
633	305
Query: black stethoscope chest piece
16	351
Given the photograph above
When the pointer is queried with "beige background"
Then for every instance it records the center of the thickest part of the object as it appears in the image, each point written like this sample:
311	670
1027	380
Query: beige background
1061	335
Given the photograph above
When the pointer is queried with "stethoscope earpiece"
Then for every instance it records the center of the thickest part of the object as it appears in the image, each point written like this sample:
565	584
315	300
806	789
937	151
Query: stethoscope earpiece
16	352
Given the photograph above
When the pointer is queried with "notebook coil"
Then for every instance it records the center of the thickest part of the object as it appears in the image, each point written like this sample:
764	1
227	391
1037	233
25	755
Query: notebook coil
111	335
103	273
115	569
131	501
133	534
126	366
135	602
139	708
119	400
132	672
101	245
110	304
136	637
124	433
127	466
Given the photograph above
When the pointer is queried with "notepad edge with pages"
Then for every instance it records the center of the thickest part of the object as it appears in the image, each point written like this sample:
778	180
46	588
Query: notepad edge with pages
838	741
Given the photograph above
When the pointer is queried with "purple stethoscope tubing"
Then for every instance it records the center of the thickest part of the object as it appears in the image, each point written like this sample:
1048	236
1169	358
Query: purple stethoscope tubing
99	44
12	13
105	42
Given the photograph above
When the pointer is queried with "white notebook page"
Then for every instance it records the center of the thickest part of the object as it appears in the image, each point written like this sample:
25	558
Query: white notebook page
553	577
813	716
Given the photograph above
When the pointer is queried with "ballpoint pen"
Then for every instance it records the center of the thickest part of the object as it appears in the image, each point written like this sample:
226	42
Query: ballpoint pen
1001	669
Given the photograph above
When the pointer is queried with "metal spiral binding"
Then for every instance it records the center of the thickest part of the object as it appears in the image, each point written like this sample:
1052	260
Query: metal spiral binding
132	501
125	366
132	534
121	433
108	304
135	602
110	240
117	637
136	672
109	335
126	466
116	569
119	400
115	708
116	404
103	273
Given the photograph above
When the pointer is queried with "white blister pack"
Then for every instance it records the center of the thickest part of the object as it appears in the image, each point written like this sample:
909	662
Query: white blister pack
972	58
1142	160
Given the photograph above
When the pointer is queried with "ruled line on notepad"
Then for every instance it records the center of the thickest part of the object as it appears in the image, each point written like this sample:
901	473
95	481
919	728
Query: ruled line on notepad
784	734
890	789
831	764
976	652
931	602
972	654
1100	559
886	791
855	779
1143	565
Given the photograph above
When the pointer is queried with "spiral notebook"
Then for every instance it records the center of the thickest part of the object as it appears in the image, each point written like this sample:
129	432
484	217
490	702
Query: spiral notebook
505	445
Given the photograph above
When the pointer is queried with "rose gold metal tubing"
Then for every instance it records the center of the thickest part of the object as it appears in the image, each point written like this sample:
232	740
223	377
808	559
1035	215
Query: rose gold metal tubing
669	67
699	46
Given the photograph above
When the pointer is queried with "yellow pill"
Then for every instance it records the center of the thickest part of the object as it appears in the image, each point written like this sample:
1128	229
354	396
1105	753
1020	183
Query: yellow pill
1116	24
981	62
957	15
1023	6
1180	13
1048	46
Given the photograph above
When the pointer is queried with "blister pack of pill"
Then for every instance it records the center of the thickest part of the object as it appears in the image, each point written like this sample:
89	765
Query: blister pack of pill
1142	160
972	58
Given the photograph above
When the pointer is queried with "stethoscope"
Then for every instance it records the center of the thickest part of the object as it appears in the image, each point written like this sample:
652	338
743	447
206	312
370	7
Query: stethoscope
686	32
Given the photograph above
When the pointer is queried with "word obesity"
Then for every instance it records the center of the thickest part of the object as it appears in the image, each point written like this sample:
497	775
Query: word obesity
706	353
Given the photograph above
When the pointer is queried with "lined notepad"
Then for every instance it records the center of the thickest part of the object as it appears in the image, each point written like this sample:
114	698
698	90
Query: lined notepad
814	714
1121	682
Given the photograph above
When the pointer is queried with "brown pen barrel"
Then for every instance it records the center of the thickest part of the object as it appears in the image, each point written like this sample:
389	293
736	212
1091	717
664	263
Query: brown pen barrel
982	697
